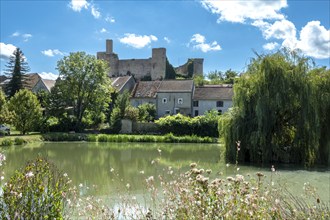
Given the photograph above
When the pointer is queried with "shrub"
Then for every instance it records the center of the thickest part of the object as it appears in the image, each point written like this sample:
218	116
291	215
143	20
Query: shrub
64	137
35	192
205	125
19	141
6	142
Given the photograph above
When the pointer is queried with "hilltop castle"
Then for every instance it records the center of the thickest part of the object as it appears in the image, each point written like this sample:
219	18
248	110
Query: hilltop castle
154	68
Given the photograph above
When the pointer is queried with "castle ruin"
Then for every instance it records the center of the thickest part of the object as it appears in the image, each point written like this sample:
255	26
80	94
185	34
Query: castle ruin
153	68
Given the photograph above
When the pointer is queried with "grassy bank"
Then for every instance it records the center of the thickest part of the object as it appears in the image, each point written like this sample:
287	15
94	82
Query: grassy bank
168	138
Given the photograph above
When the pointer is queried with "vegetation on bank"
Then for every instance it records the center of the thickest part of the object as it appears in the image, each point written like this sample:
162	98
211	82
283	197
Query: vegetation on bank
41	191
280	112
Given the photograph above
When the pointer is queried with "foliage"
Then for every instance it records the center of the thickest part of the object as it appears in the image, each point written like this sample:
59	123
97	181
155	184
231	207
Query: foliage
218	77
83	85
5	114
199	80
190	68
6	142
147	112
169	71
19	141
17	68
35	192
205	125
276	115
118	113
27	111
60	136
131	113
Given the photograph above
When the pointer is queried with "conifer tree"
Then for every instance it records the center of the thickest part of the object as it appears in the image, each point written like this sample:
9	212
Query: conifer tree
17	68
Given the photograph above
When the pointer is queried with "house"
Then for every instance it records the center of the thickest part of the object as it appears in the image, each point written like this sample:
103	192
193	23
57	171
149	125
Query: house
122	83
43	85
175	96
145	92
208	97
33	82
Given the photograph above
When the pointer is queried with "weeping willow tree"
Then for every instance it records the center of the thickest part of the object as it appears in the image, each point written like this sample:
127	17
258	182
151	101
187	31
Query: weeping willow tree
276	113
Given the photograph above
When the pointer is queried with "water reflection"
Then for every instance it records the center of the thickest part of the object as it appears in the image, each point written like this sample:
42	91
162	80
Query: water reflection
91	164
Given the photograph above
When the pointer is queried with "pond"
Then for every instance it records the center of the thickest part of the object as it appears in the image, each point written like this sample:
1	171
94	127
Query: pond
97	163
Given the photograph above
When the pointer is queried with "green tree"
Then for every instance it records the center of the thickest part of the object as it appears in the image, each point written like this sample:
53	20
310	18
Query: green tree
275	114
147	112
27	111
5	114
84	85
118	113
17	68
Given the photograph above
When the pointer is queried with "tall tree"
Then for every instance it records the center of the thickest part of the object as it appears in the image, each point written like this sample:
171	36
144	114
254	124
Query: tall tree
275	114
26	109
17	67
84	85
5	114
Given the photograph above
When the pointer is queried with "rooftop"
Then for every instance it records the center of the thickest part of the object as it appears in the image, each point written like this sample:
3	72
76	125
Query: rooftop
119	82
214	92
146	89
176	86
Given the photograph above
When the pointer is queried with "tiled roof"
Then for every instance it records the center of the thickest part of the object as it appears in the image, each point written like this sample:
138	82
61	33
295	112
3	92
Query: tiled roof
176	86
146	89
119	82
213	92
49	83
31	80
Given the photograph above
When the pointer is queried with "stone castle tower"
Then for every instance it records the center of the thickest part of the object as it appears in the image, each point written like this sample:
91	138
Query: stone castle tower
154	67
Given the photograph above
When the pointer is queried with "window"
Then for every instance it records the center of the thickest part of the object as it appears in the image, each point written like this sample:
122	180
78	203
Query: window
196	112
167	112
195	103
177	111
219	103
180	101
164	100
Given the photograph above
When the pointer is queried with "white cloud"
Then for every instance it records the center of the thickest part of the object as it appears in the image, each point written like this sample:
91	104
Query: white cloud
283	29
26	37
270	46
49	75
52	53
241	11
77	5
103	30
95	12
110	19
6	50
137	41
198	42
15	34
315	40
167	40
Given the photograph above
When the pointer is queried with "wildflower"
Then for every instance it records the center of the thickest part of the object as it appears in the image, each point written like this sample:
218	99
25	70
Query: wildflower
208	171
20	195
229	178
2	178
65	175
193	165
29	174
2	158
127	186
111	170
227	165
80	185
239	178
259	174
142	172
159	151
238	143
237	168
150	179
273	168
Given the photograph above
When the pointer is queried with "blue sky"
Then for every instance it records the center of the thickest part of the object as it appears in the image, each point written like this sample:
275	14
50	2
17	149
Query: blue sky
224	33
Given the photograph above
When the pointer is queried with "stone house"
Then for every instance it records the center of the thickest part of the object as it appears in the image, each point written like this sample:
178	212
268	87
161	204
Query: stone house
208	97
175	96
122	83
145	92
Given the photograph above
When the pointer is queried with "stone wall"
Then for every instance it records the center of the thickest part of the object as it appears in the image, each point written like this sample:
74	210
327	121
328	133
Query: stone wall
137	67
197	67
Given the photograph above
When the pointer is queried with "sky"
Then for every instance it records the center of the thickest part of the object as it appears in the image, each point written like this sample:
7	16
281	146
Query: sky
226	33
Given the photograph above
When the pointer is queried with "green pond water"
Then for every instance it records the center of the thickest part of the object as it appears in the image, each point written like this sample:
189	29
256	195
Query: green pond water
91	164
